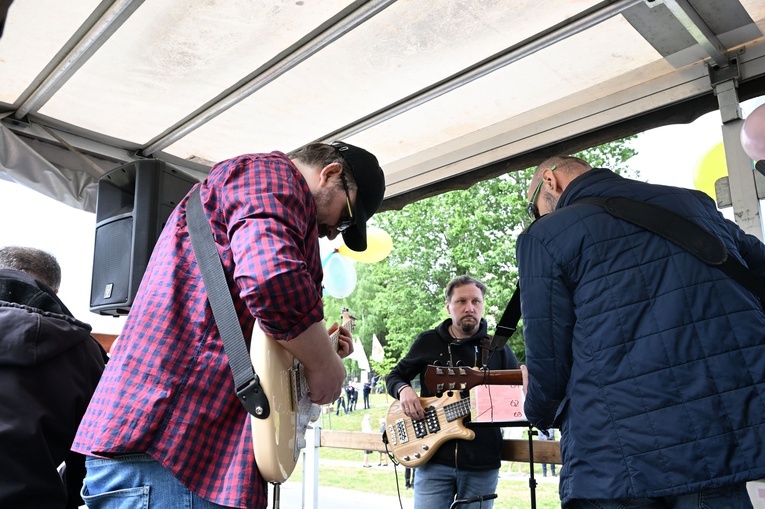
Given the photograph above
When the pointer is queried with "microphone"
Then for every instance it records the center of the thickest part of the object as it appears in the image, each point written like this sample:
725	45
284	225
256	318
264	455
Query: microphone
473	500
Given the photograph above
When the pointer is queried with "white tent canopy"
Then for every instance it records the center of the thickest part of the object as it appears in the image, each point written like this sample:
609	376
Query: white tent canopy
444	92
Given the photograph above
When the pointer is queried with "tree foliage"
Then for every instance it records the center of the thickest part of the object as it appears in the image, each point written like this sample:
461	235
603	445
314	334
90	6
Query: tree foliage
459	232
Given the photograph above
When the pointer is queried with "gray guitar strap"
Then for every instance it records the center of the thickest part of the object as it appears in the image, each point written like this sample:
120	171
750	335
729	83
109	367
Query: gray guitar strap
246	381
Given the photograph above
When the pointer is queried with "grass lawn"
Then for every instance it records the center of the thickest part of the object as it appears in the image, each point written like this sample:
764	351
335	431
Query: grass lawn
342	468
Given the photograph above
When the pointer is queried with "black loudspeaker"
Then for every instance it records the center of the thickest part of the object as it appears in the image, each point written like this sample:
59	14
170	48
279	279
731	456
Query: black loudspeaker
133	204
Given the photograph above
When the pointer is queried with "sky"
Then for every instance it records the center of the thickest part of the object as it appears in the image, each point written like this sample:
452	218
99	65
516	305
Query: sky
666	155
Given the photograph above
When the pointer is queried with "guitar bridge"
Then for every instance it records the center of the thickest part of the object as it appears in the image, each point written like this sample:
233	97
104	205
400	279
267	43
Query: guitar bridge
392	435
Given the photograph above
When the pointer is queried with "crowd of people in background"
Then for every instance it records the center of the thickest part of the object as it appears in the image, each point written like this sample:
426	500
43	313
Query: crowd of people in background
348	399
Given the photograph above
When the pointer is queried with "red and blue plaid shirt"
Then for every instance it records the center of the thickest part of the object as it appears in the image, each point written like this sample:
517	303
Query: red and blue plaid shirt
168	390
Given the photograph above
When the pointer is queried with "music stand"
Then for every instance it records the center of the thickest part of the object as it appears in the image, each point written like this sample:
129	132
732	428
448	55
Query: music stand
532	432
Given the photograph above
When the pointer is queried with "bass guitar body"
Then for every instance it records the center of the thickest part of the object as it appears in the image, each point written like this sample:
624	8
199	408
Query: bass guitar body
413	442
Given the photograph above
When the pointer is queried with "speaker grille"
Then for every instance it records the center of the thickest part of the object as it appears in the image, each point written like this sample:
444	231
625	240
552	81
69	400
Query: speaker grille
111	268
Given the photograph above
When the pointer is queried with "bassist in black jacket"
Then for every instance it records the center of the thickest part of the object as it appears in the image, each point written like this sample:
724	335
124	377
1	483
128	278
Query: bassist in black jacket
458	468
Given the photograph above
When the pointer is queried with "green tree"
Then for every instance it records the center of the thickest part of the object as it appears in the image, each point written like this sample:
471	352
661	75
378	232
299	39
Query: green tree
472	232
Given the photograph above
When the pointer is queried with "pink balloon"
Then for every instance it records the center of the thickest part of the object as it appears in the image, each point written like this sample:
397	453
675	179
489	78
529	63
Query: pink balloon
753	134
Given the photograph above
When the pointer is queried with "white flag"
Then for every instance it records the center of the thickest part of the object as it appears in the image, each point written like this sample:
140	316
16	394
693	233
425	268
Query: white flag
360	356
378	354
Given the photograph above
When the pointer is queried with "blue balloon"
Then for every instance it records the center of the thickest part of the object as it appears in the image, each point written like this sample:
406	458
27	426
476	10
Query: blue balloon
339	276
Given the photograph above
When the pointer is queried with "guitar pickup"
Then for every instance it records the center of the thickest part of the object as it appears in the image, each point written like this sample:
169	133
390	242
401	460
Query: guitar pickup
431	420
296	386
400	425
419	428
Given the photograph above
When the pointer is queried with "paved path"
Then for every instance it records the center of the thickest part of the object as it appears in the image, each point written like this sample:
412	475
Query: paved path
338	498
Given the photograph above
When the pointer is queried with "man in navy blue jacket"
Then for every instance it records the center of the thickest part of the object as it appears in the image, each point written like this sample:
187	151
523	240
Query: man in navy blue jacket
651	362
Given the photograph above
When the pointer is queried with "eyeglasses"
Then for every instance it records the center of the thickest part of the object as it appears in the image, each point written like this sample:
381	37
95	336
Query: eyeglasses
344	224
531	208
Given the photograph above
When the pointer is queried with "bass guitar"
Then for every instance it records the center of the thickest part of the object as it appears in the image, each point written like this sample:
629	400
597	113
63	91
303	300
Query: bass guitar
281	435
414	441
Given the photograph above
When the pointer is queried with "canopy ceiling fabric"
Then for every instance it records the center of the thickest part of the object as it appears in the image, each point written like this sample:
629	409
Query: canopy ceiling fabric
444	92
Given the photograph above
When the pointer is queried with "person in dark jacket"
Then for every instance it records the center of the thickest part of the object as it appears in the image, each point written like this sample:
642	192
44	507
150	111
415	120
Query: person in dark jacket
650	361
5	5
366	390
49	367
458	468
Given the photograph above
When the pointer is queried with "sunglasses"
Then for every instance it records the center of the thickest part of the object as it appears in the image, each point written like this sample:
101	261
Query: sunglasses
531	208
346	223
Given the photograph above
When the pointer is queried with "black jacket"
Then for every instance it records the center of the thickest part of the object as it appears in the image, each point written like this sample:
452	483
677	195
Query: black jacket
49	367
436	345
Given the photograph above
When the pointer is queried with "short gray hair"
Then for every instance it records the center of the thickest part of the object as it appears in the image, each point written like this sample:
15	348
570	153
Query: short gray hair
462	281
35	262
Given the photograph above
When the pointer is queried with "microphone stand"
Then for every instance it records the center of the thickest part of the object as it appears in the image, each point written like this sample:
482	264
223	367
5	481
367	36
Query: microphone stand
532	480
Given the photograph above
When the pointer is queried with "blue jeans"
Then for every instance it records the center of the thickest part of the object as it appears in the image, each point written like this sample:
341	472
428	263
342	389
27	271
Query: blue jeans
435	486
136	481
727	497
544	469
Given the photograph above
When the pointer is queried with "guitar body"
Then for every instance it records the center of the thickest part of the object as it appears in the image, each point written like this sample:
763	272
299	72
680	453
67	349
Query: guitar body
414	442
278	439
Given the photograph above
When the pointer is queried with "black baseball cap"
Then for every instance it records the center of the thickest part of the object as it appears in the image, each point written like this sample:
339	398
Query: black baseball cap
370	180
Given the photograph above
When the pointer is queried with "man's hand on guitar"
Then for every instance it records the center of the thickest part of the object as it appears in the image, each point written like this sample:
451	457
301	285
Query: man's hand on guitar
344	340
323	368
410	403
325	380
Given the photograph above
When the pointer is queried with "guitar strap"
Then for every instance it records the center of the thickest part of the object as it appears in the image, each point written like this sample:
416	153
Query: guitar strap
246	381
505	328
665	223
683	232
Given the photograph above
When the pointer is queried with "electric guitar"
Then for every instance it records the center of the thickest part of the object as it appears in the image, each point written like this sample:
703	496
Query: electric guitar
412	441
440	379
278	439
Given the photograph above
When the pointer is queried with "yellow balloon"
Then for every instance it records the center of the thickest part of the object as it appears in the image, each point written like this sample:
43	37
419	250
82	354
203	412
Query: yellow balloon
379	245
711	168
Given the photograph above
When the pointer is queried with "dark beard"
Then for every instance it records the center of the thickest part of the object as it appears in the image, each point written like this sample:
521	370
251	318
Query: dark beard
467	327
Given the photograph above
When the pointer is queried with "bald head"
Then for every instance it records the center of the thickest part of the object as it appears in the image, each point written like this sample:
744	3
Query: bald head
550	180
567	165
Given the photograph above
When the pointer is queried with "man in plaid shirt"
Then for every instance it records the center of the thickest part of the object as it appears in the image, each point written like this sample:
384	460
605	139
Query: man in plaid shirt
164	428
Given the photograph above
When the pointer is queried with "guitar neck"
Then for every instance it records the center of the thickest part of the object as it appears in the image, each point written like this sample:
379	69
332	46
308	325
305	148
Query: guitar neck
457	409
334	338
504	377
